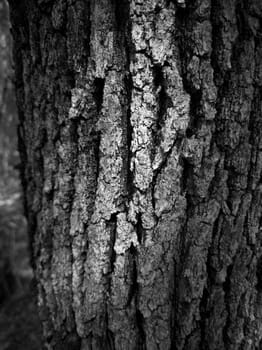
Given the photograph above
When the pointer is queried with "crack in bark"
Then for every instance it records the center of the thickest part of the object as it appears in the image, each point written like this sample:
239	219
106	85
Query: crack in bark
142	334
86	41
139	228
121	14
113	224
97	141
186	174
98	93
134	286
226	288
129	131
133	296
163	101
109	343
258	285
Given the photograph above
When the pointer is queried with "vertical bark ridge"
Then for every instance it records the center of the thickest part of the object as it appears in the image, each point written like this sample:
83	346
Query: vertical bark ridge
103	270
200	156
221	291
160	109
239	257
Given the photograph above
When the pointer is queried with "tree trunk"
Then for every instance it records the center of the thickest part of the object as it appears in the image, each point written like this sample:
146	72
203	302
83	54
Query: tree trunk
140	134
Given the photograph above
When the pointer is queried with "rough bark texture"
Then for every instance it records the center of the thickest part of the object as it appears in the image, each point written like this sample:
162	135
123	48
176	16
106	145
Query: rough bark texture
140	131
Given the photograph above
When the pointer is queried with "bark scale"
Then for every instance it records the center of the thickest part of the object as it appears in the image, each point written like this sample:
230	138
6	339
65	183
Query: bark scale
140	131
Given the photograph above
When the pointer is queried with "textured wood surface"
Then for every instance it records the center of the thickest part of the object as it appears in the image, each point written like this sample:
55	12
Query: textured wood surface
140	131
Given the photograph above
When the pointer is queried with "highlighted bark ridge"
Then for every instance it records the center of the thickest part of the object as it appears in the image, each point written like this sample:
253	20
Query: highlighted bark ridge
140	131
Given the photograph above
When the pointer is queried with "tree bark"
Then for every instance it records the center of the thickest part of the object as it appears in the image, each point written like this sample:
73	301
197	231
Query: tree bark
140	135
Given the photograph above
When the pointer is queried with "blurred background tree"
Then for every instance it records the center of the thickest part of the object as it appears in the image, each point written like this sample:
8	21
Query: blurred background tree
14	266
19	325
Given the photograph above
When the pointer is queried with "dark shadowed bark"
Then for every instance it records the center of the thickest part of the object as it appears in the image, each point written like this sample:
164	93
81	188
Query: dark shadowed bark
140	132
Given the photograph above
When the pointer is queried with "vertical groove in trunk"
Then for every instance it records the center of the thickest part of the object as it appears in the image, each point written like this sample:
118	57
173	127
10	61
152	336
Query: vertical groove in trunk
140	129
